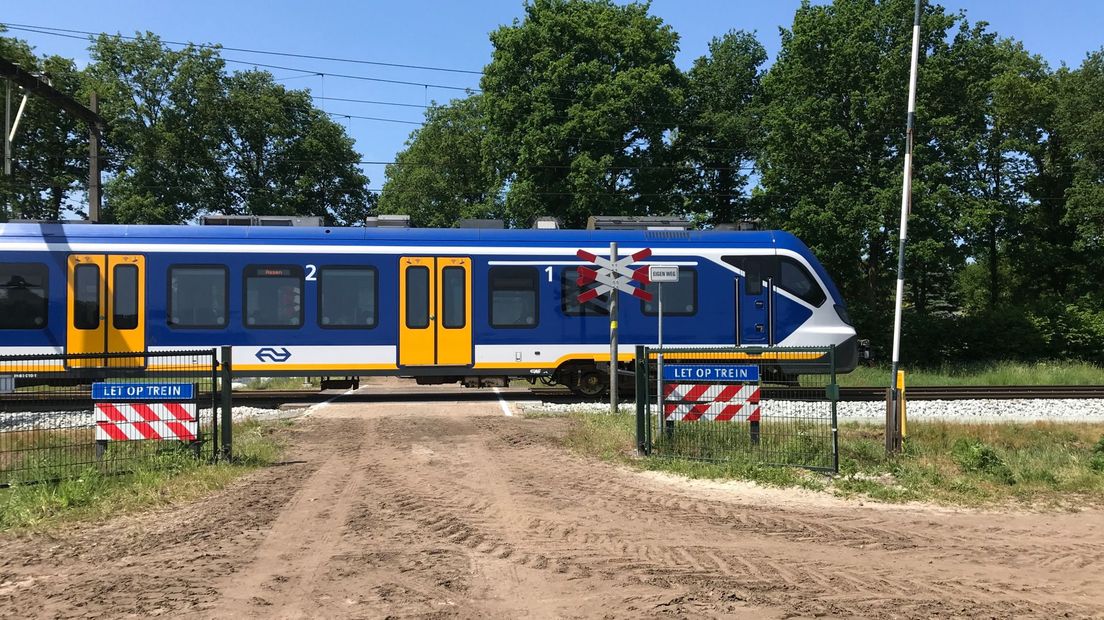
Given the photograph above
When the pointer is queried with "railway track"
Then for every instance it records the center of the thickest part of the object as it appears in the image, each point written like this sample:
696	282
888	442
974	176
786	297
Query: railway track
47	400
978	392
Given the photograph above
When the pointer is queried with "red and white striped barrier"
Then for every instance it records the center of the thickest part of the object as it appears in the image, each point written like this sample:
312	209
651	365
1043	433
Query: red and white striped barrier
129	421
687	402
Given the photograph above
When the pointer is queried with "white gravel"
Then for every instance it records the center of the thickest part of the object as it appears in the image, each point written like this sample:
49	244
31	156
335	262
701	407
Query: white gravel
51	420
1056	410
1018	410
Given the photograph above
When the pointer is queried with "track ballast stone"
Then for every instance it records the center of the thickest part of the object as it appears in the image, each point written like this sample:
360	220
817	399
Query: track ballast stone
1016	410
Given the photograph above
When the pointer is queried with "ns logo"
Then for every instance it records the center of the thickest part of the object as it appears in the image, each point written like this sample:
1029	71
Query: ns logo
272	354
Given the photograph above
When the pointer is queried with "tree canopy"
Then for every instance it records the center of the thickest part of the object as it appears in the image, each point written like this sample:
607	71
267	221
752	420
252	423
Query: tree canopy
579	95
185	138
584	111
443	176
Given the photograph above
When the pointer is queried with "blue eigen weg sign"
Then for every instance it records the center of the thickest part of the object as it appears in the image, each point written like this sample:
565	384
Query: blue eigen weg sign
727	372
143	391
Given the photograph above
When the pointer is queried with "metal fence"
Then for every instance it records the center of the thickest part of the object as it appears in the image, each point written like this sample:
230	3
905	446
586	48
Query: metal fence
63	414
770	406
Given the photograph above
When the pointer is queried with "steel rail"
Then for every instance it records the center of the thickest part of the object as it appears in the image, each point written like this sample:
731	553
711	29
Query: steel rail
274	398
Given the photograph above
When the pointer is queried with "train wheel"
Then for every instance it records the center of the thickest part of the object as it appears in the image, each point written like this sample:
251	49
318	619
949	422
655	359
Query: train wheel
590	383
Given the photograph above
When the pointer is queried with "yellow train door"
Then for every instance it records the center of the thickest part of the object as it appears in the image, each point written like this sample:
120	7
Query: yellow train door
106	307
435	311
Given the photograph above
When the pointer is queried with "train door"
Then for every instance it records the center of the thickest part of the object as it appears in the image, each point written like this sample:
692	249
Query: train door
435	311
106	306
754	298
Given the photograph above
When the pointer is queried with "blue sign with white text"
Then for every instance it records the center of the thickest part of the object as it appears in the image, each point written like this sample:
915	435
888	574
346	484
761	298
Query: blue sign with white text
143	391
728	372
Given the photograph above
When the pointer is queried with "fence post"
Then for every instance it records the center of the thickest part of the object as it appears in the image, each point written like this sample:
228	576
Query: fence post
833	395
641	375
214	405
227	439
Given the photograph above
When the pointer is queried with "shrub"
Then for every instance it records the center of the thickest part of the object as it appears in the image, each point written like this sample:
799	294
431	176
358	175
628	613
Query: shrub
973	455
1096	462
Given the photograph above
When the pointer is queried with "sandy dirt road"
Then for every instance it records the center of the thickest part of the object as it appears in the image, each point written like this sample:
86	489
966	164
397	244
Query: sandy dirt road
454	510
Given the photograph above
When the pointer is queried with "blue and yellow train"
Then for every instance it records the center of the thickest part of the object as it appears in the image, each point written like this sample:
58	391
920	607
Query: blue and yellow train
472	305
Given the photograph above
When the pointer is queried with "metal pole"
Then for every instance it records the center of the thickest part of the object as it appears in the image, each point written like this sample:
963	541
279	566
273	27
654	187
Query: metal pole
893	437
94	165
642	423
215	395
613	335
227	439
659	356
4	214
7	130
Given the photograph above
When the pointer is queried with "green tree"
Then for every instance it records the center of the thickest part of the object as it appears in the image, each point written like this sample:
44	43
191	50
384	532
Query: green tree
50	150
162	106
187	139
1079	123
718	134
442	175
993	143
279	155
580	95
833	121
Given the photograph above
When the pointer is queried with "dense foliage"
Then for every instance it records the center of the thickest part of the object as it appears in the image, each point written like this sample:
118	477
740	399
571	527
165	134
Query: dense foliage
583	111
184	138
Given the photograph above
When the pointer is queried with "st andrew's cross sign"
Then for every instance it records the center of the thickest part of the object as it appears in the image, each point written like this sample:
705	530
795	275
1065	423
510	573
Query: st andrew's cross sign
613	274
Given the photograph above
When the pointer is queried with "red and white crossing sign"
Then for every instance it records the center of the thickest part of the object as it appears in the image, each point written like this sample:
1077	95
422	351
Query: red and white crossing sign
131	421
612	275
688	402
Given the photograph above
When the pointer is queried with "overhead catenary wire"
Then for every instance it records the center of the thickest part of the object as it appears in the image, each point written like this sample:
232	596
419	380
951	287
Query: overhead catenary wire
83	35
397	65
268	65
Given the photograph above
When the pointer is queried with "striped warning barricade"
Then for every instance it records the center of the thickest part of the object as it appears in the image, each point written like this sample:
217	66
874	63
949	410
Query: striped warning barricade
689	402
133	421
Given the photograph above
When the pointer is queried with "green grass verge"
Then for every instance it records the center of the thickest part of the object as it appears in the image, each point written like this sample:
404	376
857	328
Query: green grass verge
283	383
172	476
1039	464
996	373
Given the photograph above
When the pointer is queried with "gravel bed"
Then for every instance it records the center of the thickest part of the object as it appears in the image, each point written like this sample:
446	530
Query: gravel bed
1019	410
63	420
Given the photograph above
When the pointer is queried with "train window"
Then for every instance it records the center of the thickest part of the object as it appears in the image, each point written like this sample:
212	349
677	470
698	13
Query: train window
124	297
679	298
86	300
347	297
794	278
757	269
753	277
453	290
569	297
273	296
197	296
23	295
514	297
417	297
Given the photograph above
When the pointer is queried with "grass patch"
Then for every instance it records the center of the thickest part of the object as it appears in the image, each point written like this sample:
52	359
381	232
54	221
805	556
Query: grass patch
173	476
1038	464
995	373
284	383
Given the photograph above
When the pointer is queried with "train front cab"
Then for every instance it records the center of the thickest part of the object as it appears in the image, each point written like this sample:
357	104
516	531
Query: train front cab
106	307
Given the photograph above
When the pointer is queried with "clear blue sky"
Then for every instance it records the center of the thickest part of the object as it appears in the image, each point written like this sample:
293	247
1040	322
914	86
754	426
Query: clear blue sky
453	33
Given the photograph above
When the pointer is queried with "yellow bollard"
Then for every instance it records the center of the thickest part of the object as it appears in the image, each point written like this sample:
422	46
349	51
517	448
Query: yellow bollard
902	416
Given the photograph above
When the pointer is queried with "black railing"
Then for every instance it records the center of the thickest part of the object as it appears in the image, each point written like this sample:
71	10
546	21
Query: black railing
769	406
61	414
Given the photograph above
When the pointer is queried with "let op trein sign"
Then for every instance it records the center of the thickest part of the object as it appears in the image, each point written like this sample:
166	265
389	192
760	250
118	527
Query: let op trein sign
145	411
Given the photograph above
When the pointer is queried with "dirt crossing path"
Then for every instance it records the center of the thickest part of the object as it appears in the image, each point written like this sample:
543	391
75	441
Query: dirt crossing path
452	510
